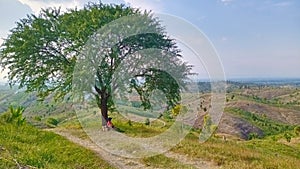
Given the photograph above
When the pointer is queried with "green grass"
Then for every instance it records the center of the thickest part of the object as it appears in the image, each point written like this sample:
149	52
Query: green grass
135	129
138	111
26	145
254	154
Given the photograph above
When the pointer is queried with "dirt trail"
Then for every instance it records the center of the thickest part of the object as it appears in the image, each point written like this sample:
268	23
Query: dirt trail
124	163
196	163
116	161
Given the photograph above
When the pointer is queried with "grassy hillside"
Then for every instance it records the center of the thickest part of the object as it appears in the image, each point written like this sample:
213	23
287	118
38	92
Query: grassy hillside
259	110
22	145
278	104
14	96
258	125
233	153
254	154
37	113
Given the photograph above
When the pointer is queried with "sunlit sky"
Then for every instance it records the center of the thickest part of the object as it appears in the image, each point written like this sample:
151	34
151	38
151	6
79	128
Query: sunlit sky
254	38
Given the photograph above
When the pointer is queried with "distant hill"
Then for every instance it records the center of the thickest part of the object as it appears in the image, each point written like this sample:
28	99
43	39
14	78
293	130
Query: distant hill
15	97
256	107
250	107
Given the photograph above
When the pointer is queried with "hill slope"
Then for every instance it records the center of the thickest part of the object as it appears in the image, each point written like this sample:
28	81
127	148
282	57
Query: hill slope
28	147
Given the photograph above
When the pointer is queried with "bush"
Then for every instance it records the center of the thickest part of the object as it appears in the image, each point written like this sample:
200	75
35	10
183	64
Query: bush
252	136
178	109
167	115
37	118
52	122
147	122
288	136
297	130
129	123
14	116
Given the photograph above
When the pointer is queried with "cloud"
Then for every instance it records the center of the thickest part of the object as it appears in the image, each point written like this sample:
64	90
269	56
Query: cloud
282	4
224	39
36	5
153	5
226	2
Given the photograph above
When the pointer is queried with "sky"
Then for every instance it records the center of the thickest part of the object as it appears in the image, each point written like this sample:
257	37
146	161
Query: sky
253	38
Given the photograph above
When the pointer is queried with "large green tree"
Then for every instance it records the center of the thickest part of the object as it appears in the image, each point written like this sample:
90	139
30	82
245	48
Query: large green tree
42	51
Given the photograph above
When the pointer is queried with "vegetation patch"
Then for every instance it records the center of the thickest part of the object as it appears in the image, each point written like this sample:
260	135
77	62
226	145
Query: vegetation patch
268	126
25	146
254	154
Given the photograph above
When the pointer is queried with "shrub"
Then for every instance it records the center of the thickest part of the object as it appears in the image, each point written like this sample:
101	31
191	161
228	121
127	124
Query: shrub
37	118
167	115
52	122
287	136
297	130
178	109
147	122
252	136
129	123
14	115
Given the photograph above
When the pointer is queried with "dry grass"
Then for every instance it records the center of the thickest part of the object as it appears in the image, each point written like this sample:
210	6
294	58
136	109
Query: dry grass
253	154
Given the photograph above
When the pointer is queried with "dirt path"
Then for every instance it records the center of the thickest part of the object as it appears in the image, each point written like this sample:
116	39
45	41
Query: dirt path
116	161
124	163
196	163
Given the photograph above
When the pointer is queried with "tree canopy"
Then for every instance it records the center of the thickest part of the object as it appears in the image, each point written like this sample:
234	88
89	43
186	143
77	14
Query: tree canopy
42	51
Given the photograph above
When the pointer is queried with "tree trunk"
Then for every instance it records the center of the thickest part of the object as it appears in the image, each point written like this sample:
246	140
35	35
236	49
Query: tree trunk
102	102
104	109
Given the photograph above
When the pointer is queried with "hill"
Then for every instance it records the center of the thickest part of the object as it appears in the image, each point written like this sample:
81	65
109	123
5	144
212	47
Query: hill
249	108
257	120
24	146
256	107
